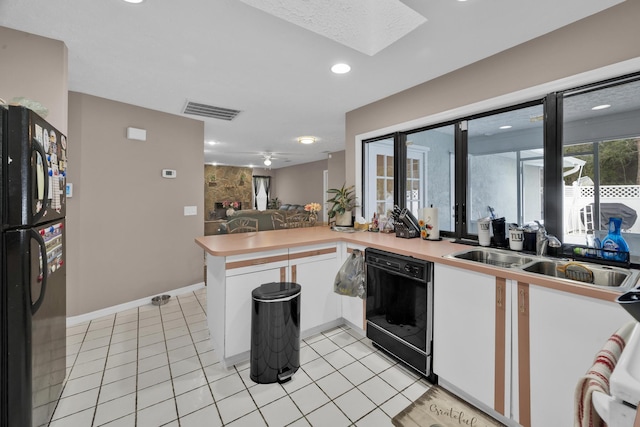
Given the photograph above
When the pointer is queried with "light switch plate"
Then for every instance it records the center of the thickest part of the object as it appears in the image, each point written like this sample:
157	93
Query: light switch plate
190	210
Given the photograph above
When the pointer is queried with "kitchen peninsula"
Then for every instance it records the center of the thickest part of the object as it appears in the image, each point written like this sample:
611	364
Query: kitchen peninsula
511	342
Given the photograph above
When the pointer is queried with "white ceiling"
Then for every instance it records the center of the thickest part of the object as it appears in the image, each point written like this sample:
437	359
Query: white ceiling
162	53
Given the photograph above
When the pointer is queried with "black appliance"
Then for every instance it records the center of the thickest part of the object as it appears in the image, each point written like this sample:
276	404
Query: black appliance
399	308
33	274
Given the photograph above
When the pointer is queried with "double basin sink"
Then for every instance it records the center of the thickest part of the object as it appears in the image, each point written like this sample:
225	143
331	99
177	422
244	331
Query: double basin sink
614	278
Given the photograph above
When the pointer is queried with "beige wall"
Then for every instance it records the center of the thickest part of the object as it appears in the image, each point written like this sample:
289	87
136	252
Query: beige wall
597	41
35	68
300	184
127	237
337	173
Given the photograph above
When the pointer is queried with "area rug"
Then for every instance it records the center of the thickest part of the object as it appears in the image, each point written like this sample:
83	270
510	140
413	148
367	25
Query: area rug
439	408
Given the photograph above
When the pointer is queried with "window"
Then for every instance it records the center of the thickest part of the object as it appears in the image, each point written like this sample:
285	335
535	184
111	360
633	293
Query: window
504	165
570	159
601	139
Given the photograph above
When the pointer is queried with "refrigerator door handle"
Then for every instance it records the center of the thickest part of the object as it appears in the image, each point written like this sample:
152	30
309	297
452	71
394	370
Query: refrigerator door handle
37	147
43	256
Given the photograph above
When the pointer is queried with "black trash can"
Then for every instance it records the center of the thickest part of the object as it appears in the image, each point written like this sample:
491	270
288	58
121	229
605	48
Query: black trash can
275	332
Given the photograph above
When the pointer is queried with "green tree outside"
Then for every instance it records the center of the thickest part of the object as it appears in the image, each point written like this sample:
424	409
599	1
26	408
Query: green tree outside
619	161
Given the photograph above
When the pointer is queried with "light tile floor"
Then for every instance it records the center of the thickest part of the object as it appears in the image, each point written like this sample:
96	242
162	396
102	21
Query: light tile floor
155	366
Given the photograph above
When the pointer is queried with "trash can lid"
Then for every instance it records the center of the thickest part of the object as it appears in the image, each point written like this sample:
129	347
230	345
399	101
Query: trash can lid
276	290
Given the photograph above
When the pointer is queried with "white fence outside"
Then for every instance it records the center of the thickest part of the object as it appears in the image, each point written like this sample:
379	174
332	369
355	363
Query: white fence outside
578	197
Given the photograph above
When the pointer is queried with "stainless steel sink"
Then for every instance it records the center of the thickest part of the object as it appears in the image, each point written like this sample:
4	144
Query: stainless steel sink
612	277
496	257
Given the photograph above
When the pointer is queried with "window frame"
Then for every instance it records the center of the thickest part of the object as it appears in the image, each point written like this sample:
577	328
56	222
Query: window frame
552	203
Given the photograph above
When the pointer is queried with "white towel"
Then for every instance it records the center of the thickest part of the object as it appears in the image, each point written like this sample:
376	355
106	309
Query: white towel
597	378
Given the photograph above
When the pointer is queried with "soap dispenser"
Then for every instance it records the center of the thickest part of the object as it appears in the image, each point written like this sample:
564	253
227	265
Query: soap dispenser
614	242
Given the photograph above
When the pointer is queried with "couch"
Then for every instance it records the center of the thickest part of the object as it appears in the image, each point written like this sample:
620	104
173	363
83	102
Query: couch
286	216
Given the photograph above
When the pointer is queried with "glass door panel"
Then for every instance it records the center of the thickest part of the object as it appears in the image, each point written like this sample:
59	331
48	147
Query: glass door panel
379	180
430	173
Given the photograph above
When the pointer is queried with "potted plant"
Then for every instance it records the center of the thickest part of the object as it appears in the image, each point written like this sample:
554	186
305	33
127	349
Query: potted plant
274	203
344	200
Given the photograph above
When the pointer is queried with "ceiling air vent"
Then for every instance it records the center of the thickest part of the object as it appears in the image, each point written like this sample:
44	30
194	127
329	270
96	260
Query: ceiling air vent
210	111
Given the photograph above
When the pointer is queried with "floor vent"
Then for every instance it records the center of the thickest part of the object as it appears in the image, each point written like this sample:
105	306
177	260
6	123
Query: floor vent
210	111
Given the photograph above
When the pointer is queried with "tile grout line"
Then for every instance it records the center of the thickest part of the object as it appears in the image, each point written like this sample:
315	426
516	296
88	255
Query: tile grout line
199	360
135	415
66	379
196	308
314	382
215	401
173	390
104	369
338	371
356	387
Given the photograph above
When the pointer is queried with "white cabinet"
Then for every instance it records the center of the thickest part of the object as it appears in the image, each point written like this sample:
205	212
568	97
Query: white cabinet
353	311
229	298
565	333
314	269
231	280
238	307
464	331
515	349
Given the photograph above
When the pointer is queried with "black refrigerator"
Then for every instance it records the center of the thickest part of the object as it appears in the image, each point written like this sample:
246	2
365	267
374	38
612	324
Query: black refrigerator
33	272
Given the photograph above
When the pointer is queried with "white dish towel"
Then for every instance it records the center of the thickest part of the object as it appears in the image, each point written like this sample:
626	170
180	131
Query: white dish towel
597	378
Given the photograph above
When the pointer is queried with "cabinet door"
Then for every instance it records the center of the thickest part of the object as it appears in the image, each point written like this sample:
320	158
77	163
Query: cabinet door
238	306
464	342
565	333
353	308
319	304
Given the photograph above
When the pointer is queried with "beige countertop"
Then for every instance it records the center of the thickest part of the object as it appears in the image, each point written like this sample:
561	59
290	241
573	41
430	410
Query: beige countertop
243	243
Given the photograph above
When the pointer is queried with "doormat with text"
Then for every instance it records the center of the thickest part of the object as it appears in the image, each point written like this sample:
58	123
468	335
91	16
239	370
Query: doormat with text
439	408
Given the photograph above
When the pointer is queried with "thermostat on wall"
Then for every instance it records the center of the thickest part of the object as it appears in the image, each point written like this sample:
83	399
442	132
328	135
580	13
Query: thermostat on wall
168	173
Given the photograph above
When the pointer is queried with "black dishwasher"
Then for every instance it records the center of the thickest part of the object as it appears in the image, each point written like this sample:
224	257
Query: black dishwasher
399	307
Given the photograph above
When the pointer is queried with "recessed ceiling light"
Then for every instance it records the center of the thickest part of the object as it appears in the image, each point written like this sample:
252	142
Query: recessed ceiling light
211	142
134	1
306	140
506	127
341	68
601	107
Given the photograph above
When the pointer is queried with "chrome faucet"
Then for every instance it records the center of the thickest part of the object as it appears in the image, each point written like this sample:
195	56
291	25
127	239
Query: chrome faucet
544	240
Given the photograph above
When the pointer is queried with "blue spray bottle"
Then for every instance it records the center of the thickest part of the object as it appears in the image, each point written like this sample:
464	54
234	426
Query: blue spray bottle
614	242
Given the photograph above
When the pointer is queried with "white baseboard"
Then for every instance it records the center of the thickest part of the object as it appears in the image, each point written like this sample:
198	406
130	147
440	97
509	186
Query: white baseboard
355	328
75	320
321	328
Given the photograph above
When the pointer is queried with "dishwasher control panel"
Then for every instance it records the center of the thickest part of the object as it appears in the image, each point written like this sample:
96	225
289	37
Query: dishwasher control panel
397	264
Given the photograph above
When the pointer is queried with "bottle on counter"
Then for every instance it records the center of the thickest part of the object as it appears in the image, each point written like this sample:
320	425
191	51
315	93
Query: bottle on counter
614	242
374	223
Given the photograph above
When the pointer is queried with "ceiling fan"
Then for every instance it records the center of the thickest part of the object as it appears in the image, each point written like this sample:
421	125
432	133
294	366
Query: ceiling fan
267	158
